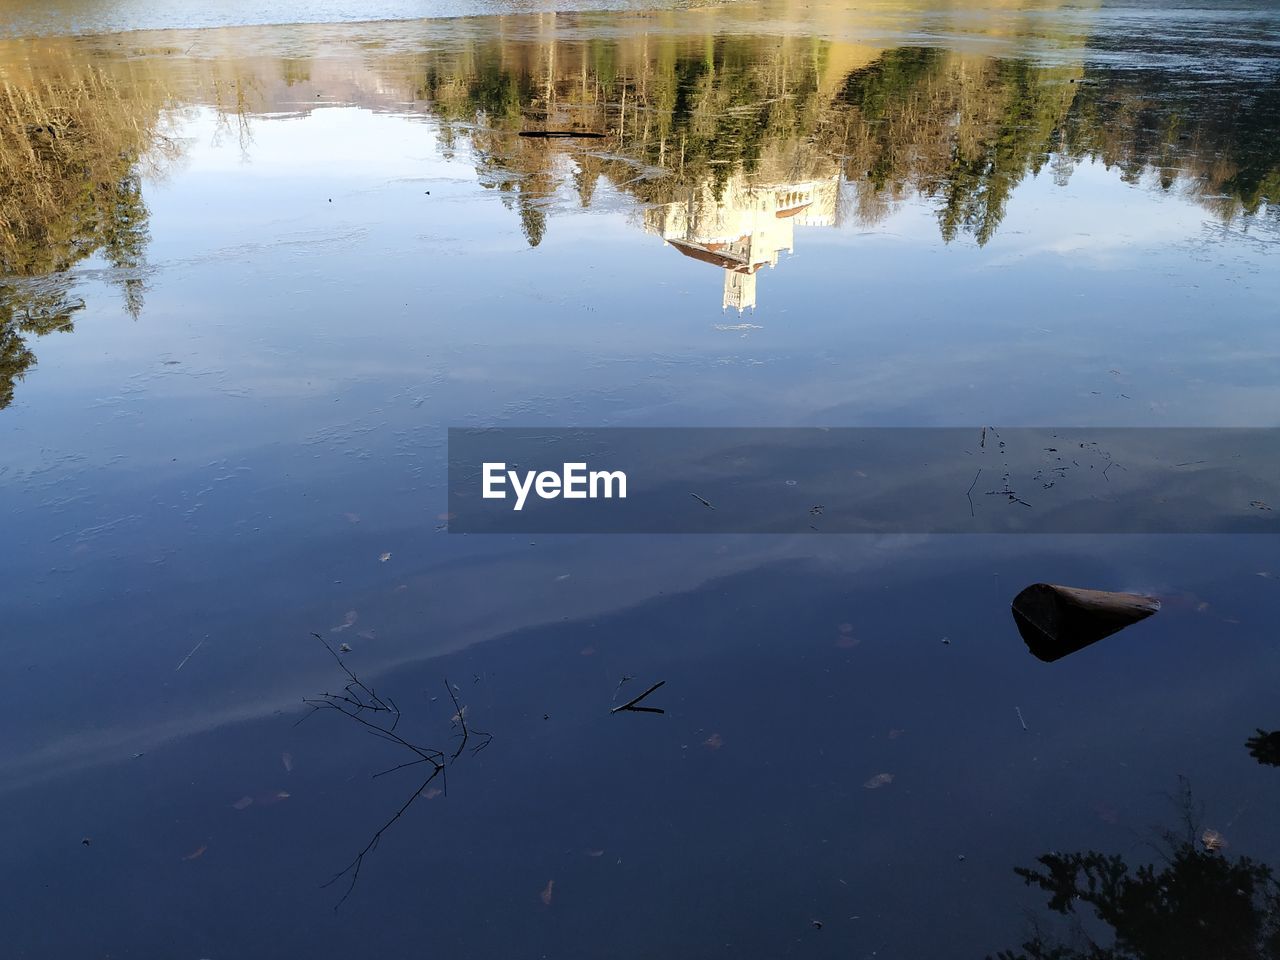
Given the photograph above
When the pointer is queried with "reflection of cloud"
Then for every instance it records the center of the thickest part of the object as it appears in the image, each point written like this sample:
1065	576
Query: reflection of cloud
1083	226
475	614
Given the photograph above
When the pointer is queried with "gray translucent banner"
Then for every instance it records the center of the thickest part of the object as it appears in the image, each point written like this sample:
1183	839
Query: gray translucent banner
864	480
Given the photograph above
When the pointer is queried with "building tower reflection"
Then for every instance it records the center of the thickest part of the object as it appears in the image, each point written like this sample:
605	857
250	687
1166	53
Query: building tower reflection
744	226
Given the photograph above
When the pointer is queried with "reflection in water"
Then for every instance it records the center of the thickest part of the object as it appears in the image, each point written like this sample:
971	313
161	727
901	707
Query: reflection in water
1198	904
72	146
743	227
728	143
1265	747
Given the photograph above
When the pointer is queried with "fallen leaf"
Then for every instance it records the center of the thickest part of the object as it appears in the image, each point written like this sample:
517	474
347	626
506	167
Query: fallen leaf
1213	841
546	893
287	759
846	642
595	853
197	853
243	803
348	621
431	793
713	742
878	781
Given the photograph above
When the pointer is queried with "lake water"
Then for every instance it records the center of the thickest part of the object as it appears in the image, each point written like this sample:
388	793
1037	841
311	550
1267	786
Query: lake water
252	274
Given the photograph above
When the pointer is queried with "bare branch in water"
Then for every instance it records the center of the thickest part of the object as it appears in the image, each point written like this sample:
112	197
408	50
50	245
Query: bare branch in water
632	703
380	718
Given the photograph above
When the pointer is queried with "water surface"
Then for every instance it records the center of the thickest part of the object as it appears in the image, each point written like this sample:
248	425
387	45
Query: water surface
252	274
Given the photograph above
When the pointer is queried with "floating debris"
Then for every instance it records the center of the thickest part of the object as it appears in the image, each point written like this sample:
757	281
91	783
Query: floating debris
347	623
384	557
878	781
286	760
244	803
1213	841
197	853
547	891
632	704
1056	621
344	648
562	134
191	654
713	742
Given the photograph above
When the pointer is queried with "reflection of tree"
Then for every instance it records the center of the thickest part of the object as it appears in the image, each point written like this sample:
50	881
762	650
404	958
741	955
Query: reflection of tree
1199	904
25	313
1265	747
1220	140
71	142
682	114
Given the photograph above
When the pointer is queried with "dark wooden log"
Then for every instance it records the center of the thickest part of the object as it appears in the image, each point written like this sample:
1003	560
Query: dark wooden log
562	134
1055	620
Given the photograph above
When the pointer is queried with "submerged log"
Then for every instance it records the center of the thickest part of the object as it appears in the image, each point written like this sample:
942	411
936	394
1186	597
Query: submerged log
562	134
1055	621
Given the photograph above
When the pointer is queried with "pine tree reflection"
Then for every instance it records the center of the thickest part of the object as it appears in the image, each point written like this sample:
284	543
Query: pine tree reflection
1198	904
1265	747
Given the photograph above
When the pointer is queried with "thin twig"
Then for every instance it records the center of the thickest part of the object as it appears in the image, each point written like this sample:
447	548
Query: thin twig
359	702
191	654
631	704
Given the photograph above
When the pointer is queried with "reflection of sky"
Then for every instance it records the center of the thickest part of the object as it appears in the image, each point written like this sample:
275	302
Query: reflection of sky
90	16
232	465
322	347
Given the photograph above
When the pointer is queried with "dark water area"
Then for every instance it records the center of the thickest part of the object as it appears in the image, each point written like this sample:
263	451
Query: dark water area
251	275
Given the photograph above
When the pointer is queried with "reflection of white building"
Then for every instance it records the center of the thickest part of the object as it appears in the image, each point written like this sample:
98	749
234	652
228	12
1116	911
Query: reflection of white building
744	228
